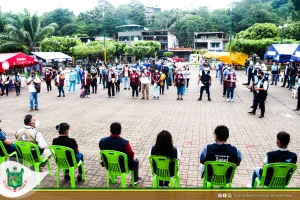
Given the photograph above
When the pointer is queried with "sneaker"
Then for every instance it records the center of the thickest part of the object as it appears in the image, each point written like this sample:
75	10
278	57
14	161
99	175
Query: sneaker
68	92
125	88
36	109
89	96
142	98
59	96
157	97
113	97
178	99
181	99
140	179
64	95
232	100
31	109
209	99
154	97
199	99
227	100
249	185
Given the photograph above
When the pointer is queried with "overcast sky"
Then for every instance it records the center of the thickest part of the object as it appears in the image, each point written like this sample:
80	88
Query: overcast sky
82	5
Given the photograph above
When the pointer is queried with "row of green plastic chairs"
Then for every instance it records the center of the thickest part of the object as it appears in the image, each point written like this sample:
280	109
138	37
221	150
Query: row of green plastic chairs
282	172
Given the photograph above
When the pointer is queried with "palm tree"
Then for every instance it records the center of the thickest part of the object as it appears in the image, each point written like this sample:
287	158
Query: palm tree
24	30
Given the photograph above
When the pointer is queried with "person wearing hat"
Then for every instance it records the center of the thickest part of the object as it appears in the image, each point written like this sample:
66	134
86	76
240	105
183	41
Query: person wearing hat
8	145
219	151
274	72
286	75
134	82
110	79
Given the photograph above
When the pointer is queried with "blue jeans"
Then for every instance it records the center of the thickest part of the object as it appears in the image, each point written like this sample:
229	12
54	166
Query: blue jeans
79	157
61	90
217	72
18	88
221	76
72	84
126	82
78	78
231	91
103	83
246	69
292	82
274	78
34	99
180	90
156	91
256	173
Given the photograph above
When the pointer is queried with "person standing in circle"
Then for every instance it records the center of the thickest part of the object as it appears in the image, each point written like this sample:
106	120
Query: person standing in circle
33	95
94	80
86	82
60	82
134	82
48	78
179	82
145	83
230	83
17	80
205	79
156	83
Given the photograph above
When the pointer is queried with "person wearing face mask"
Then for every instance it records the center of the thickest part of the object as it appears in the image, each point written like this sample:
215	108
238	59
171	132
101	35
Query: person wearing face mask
30	134
205	79
77	70
81	73
17	80
110	79
65	140
33	94
86	82
73	78
275	72
162	83
179	82
188	76
166	71
60	82
134	82
5	83
286	75
48	78
145	83
156	83
261	95
298	90
126	75
94	80
66	72
230	83
292	75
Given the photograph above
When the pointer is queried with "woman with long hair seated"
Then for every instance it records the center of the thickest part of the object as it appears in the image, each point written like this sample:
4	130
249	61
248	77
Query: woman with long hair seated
164	147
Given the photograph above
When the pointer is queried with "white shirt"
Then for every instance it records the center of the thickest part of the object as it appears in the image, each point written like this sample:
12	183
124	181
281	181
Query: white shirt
4	79
265	86
144	79
31	85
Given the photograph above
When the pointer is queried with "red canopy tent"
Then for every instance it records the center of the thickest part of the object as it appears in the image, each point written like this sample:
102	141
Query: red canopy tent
11	60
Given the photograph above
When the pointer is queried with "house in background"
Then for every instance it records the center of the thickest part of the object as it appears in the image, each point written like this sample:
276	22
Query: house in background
151	10
212	41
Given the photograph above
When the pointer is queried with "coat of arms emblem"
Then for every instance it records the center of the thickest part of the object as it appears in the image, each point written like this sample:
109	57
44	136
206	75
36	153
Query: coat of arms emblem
14	181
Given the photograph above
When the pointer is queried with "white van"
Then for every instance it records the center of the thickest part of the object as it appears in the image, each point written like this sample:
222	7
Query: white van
193	58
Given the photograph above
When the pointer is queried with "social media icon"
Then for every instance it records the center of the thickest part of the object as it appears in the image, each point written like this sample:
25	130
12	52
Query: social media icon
220	195
224	195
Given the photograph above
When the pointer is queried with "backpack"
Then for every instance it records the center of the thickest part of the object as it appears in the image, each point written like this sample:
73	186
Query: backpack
82	94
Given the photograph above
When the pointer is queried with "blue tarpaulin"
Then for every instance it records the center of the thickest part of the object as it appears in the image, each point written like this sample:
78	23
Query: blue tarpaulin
296	55
281	52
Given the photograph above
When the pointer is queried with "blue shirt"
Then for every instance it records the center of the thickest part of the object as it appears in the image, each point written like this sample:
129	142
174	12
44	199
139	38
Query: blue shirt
77	69
73	76
203	153
274	68
147	65
9	148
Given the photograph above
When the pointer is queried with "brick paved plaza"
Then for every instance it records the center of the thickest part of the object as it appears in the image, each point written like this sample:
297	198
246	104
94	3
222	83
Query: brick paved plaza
190	122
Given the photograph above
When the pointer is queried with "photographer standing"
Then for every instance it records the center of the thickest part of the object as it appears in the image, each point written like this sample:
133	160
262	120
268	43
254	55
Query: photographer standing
33	94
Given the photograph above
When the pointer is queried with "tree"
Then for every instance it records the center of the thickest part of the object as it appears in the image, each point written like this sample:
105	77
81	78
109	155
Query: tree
296	4
277	3
62	44
168	54
60	16
138	13
259	31
25	30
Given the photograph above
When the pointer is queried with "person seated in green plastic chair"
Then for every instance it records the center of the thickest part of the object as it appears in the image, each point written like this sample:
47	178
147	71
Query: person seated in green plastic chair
280	155
8	145
116	143
30	134
220	151
65	140
164	147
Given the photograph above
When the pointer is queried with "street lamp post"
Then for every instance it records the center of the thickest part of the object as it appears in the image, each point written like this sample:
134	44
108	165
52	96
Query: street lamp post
104	39
282	31
230	32
154	38
125	52
196	35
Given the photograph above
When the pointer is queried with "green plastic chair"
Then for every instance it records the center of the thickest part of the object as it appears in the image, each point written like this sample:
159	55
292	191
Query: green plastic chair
24	149
59	154
279	178
5	154
113	167
219	171
163	172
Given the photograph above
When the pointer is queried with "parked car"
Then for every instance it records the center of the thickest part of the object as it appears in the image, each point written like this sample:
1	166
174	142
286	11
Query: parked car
177	59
